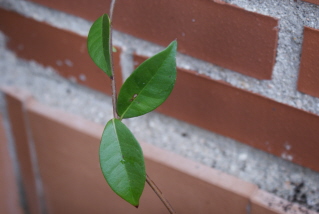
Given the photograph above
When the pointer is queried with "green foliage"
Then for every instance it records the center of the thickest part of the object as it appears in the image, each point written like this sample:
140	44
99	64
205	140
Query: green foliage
98	44
122	161
149	85
121	156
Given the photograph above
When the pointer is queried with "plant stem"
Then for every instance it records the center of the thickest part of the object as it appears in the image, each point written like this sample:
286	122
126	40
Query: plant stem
114	98
114	93
159	194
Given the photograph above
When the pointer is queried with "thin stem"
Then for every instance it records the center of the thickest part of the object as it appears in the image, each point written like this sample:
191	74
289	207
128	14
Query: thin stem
112	9
114	93
114	98
159	194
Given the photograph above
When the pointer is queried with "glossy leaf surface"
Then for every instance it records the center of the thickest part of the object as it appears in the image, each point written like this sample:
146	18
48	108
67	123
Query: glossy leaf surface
98	44
122	161
149	85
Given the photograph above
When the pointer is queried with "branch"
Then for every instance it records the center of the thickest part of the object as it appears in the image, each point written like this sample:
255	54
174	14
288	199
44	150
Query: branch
114	99
114	93
159	194
112	9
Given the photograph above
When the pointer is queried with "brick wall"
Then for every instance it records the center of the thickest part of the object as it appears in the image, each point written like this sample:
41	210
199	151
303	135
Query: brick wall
248	72
248	104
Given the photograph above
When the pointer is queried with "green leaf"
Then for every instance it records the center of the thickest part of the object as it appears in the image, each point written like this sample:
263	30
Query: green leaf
122	161
98	43
149	85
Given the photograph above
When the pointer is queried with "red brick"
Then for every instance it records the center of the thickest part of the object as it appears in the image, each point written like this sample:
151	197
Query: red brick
15	100
247	117
312	1
194	188
9	195
68	162
266	203
308	81
67	150
63	50
214	31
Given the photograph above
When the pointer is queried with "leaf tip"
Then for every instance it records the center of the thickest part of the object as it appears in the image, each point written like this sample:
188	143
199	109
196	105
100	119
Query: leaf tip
174	43
173	46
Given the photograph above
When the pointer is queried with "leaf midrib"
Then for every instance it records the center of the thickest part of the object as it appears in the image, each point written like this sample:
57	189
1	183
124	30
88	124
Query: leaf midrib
103	35
126	172
143	88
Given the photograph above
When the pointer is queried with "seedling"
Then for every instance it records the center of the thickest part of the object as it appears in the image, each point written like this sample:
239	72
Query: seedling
121	157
